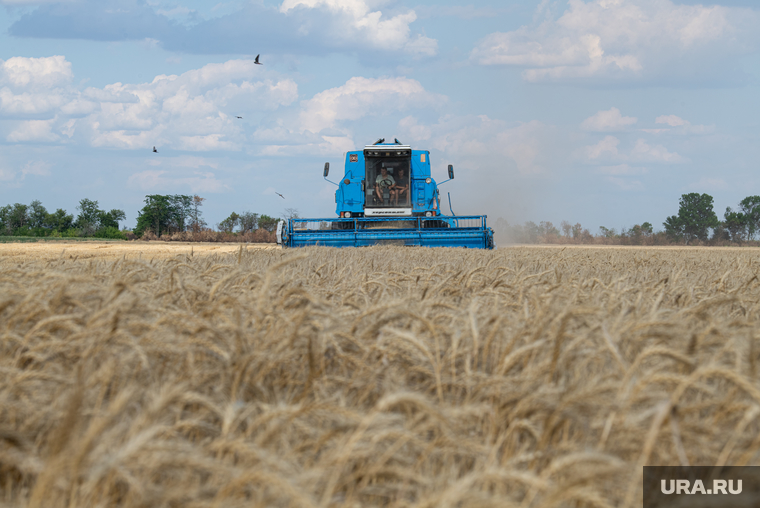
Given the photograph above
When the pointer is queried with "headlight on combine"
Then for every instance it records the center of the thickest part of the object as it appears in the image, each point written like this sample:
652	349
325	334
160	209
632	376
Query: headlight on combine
428	214
428	180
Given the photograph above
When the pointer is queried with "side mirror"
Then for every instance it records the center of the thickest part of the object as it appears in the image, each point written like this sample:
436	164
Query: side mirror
451	172
327	168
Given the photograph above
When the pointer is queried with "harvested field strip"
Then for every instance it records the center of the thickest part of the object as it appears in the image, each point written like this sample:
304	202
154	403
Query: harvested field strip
381	376
116	249
50	239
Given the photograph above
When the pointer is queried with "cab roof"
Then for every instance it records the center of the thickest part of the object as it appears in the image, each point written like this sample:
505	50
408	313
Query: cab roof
387	145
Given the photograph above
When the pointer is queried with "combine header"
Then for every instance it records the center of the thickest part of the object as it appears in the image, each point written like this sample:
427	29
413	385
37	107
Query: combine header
387	196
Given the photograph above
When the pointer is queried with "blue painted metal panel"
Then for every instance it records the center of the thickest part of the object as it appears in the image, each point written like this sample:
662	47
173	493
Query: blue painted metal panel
469	232
420	167
350	196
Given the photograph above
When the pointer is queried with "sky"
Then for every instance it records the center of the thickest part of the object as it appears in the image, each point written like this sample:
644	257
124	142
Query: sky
599	112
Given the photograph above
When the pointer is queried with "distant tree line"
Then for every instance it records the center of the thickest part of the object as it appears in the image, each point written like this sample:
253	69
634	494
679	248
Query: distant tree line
695	224
247	221
567	233
165	217
179	217
34	220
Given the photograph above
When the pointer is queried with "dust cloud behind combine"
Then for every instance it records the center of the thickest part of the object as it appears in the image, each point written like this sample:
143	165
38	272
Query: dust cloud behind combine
373	377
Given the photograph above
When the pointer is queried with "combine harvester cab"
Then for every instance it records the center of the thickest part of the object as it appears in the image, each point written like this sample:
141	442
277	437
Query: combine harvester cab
387	196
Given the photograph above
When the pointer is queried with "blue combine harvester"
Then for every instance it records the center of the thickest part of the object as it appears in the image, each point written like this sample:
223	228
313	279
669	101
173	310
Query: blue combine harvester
387	196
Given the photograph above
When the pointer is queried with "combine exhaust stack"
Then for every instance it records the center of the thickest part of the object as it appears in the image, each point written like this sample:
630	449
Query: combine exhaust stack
387	197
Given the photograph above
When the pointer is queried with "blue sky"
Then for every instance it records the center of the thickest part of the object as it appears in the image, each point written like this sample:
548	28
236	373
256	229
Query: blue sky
601	112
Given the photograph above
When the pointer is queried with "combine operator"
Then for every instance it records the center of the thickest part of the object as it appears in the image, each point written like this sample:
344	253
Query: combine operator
400	189
383	182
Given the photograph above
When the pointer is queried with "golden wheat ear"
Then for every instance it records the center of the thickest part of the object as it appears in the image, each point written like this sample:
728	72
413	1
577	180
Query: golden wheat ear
380	376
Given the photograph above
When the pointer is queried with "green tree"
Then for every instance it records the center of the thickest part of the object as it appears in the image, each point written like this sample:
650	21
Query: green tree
531	231
164	214
5	220
88	219
636	234
268	223
228	225
647	229
92	219
181	210
18	217
695	217
154	216
673	228
248	221
750	207
196	216
59	221
577	231
736	224
37	215
546	228
111	219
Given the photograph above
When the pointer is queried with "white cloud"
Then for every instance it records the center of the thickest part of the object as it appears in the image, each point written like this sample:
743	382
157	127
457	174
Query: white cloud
625	184
199	182
12	178
193	161
671	120
677	125
502	169
33	131
416	131
322	145
706	184
34	86
360	97
607	150
607	121
26	73
29	103
367	27
193	111
7	175
37	168
523	144
624	40
479	140
469	11
642	151
606	147
622	169
29	2
205	143
322	123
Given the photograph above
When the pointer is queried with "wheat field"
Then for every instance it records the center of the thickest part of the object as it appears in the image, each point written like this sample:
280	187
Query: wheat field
145	251
384	376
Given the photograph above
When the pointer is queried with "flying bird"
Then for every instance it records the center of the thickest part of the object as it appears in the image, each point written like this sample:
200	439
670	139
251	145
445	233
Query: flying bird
283	197
257	60
239	117
154	150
